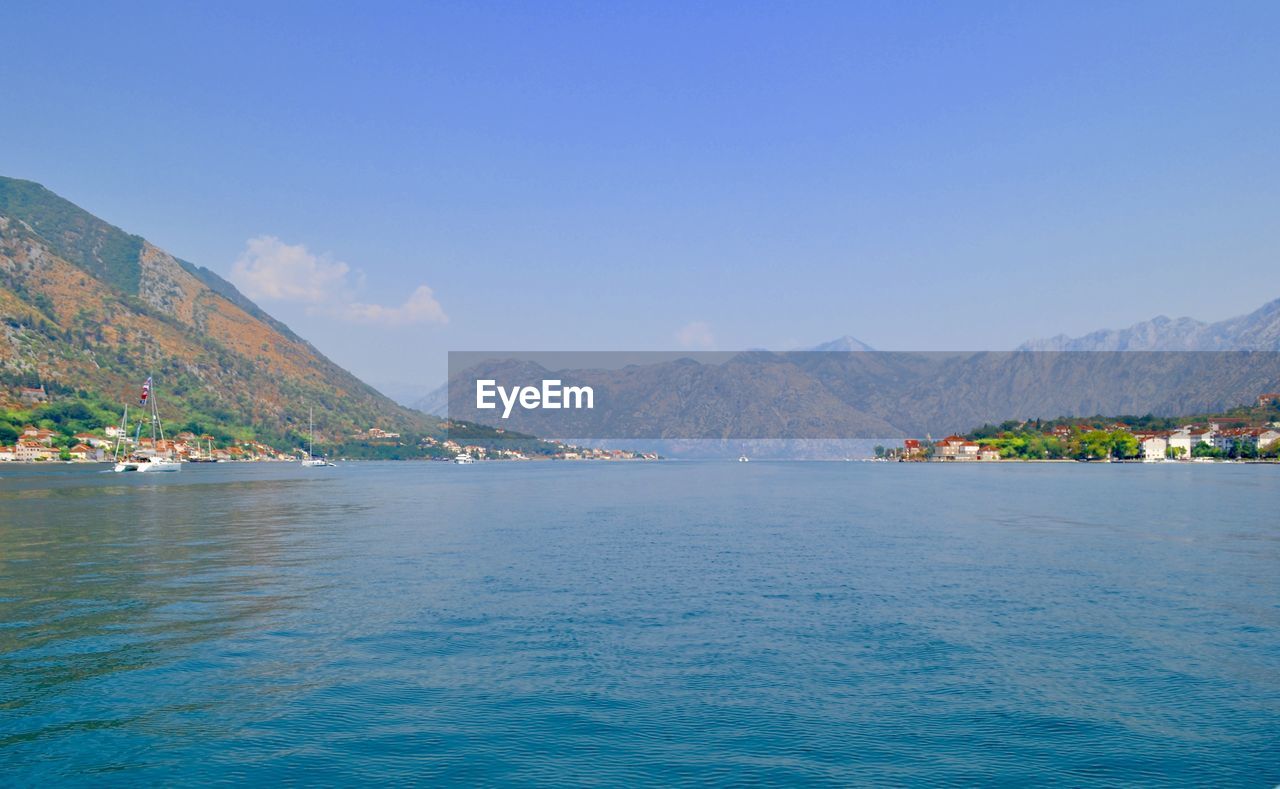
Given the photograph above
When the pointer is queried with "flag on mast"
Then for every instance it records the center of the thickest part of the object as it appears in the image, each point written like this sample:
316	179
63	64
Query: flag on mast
146	392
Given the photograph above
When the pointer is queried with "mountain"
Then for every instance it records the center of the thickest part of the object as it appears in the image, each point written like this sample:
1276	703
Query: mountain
89	309
434	402
818	396
1257	331
437	400
846	344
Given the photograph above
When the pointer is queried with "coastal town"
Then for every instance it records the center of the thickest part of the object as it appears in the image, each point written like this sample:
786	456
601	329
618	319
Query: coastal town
40	444
62	432
39	427
43	445
1244	434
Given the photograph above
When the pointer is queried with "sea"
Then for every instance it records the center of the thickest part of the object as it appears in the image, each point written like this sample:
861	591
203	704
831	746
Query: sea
641	623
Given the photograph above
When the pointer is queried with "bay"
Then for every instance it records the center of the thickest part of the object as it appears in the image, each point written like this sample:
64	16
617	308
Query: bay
642	623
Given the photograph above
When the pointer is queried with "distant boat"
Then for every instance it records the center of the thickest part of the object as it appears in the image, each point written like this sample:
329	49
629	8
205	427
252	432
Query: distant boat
464	459
744	459
138	461
311	461
204	457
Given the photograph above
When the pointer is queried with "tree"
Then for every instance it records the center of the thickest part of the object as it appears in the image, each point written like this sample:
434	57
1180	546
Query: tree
1203	450
1124	445
1175	453
1096	444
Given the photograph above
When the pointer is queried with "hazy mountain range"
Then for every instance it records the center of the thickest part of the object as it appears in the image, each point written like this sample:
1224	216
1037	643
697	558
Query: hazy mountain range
807	395
1257	331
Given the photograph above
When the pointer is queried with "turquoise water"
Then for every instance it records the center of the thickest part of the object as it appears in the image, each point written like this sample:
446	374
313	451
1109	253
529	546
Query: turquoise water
662	623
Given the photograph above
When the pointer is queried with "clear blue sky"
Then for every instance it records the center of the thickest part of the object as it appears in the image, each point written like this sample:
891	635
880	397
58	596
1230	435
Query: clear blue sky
609	175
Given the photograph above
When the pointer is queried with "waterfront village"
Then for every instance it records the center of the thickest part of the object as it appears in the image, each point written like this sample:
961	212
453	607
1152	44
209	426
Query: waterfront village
1246	434
40	445
53	440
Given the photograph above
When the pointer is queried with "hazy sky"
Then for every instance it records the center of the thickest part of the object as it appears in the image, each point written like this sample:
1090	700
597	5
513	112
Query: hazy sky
395	181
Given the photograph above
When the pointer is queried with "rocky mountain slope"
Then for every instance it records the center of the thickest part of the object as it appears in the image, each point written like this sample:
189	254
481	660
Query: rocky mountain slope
87	308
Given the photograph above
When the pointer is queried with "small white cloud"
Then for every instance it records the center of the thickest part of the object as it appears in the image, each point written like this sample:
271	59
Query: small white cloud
696	335
270	269
420	307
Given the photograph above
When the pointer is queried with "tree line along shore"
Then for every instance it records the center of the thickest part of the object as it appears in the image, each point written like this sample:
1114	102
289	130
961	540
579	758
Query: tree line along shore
1244	433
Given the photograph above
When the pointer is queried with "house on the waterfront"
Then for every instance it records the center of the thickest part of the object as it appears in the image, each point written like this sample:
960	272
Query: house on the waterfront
955	448
988	453
911	449
1154	446
1251	438
7	454
27	451
84	452
1180	439
1223	440
1201	435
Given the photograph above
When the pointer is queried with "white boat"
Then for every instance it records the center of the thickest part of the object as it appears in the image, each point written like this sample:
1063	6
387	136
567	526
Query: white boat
464	459
744	459
138	460
311	461
149	464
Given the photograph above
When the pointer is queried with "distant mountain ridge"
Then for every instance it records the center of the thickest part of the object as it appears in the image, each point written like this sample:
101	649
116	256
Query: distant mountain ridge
87	307
1256	331
844	344
808	395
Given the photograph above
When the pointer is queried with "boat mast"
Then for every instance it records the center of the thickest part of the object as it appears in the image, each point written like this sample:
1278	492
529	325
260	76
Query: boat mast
311	429
156	427
124	426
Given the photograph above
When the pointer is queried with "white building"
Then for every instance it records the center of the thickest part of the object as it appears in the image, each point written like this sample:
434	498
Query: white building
1201	436
1181	439
1251	437
27	451
1153	446
955	448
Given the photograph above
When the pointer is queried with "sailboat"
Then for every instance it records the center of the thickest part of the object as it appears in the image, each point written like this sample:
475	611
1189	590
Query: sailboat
206	455
310	461
138	461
